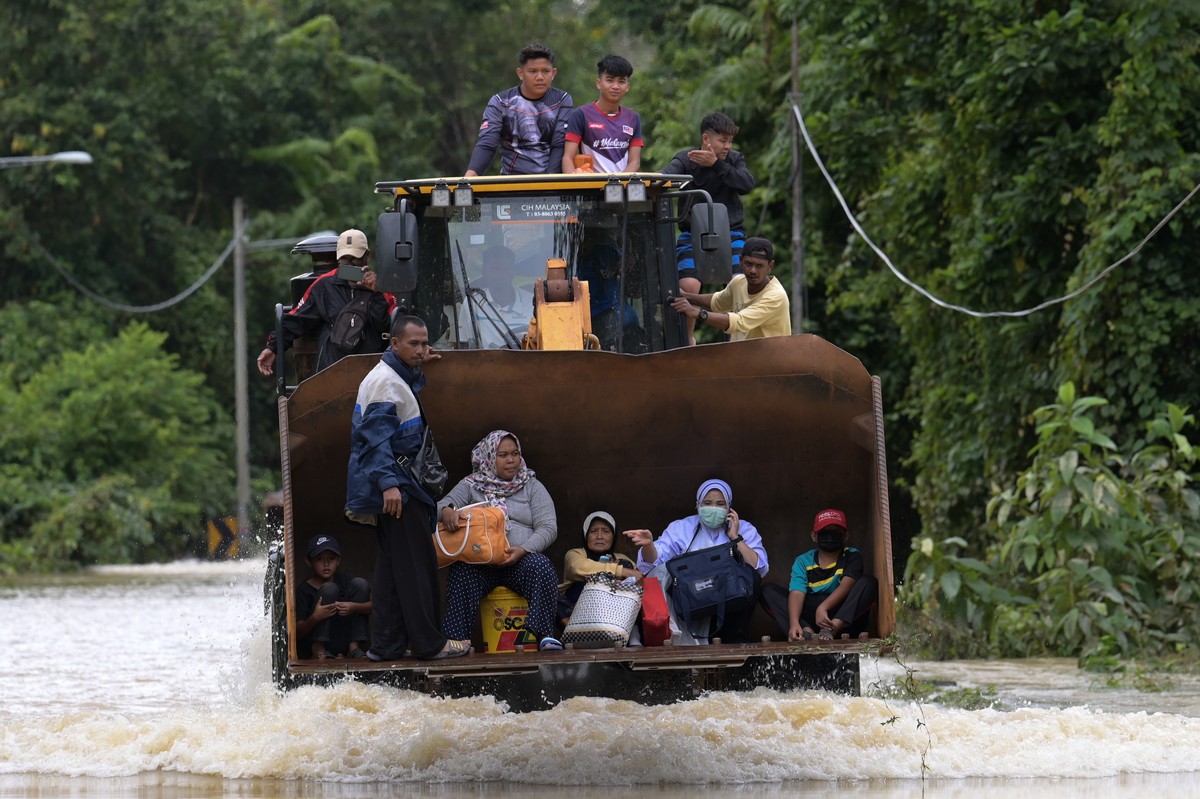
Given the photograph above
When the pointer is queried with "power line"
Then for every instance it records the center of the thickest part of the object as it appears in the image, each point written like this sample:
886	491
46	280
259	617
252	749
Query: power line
178	298
942	303
120	306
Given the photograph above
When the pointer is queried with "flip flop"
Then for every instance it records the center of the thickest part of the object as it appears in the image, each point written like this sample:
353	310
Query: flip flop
549	644
453	649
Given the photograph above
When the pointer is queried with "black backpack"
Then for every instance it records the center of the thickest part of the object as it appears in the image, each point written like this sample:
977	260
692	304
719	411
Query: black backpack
351	323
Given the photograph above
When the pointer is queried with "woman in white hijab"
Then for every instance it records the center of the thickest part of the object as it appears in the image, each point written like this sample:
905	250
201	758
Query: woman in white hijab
715	522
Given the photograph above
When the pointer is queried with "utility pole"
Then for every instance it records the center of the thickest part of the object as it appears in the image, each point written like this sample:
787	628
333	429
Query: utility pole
798	291
241	379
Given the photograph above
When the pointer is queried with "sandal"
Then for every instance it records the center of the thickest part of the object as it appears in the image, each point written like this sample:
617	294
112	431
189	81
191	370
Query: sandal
825	635
549	644
453	649
357	653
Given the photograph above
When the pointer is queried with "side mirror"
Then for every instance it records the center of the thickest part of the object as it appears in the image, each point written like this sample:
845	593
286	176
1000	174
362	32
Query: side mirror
396	251
711	249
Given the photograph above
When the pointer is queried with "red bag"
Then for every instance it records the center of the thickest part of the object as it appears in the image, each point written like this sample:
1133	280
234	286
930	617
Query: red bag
656	624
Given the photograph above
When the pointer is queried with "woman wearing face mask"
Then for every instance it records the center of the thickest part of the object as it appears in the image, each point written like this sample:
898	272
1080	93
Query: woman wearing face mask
828	591
715	522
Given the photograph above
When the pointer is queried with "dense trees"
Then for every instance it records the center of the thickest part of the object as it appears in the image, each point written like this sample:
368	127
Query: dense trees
1003	152
110	452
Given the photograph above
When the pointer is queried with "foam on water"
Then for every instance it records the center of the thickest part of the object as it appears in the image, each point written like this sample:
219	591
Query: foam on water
362	733
139	677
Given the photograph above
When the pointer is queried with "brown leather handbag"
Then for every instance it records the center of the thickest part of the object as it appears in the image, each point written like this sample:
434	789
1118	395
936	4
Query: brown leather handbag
479	539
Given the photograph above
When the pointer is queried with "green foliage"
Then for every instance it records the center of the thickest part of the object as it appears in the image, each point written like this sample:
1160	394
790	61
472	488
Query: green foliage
1002	154
955	600
109	453
1095	542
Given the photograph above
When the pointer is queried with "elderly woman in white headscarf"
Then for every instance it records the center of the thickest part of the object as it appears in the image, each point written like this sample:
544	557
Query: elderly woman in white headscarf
715	522
598	555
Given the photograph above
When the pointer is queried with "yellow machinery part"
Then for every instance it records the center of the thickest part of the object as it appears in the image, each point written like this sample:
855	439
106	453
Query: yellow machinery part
562	312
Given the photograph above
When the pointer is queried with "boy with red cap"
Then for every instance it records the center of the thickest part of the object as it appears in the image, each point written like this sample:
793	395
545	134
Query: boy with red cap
828	594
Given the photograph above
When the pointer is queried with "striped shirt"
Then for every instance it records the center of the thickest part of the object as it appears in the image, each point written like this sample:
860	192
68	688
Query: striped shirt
810	577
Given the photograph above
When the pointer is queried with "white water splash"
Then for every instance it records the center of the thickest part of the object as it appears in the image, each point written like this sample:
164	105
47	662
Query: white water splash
364	733
160	677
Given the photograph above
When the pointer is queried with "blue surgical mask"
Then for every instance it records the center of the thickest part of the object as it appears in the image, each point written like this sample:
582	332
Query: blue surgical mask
713	516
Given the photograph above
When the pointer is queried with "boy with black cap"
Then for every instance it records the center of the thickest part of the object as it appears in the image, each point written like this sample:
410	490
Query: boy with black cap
331	608
828	591
753	305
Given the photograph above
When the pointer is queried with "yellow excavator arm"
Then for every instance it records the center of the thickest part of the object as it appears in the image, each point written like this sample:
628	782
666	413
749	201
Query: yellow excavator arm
562	315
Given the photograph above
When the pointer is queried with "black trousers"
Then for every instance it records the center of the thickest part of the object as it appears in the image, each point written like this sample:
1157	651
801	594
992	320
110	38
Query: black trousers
854	610
406	611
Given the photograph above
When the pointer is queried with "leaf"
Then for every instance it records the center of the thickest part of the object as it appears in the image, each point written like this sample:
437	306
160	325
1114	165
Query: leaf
1061	505
1083	425
1068	462
1184	446
1066	393
950	583
1030	558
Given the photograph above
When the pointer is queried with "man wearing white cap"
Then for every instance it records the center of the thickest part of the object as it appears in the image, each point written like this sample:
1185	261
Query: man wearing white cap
345	312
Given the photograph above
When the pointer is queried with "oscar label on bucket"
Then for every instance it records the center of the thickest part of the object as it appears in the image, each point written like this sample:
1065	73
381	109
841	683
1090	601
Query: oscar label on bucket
502	618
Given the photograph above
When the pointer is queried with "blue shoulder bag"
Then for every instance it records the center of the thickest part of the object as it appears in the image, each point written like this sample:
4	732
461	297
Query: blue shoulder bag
710	582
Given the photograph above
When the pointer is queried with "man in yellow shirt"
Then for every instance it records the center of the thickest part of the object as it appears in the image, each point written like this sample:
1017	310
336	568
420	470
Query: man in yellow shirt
753	305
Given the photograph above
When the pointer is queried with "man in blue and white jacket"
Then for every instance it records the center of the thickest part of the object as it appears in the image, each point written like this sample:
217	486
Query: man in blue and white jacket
388	424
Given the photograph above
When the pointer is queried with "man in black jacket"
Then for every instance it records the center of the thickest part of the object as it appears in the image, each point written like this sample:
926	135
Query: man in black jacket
721	171
331	297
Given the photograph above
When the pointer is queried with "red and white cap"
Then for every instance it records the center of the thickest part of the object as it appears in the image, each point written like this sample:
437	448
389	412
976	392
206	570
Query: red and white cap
827	517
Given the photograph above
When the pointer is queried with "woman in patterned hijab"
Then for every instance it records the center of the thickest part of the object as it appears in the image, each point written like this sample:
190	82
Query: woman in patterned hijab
500	477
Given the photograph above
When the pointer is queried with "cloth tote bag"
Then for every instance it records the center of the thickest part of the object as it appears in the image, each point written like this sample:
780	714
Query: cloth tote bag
605	613
656	617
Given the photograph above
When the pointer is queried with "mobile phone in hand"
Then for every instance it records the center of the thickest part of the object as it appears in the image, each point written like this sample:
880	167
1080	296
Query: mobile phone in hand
354	274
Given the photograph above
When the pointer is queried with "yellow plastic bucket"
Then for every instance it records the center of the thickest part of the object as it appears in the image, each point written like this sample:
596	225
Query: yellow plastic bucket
502	616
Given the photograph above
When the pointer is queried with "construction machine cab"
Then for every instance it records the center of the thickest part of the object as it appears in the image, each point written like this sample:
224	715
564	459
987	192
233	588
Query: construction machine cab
612	235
